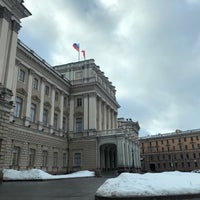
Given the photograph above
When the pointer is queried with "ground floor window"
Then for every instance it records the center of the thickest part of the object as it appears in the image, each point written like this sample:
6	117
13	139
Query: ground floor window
44	158
64	160
77	159
31	157
55	159
15	156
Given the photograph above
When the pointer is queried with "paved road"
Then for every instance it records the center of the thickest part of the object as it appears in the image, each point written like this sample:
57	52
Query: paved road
68	189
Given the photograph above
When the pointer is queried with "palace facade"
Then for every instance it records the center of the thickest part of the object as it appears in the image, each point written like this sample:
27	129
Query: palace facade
57	118
179	150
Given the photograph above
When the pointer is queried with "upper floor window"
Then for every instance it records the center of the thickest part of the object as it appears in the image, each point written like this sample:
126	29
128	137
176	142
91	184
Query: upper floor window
55	120
33	112
79	124
79	102
21	75
45	117
18	107
35	83
46	90
56	96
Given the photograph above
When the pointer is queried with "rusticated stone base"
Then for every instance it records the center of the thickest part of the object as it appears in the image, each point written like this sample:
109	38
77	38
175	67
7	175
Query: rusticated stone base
171	197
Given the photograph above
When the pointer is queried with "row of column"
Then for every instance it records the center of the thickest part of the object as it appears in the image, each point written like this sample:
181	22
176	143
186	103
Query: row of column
41	104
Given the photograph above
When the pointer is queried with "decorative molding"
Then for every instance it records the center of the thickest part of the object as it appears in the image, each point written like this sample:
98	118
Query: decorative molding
36	98
57	109
47	104
5	13
78	114
21	91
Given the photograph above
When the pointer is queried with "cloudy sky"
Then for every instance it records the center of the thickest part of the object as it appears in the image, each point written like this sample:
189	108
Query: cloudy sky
149	49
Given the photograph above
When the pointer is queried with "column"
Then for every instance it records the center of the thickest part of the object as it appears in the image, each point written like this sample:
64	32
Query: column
105	116
52	108
92	111
28	100
5	18
61	113
86	107
41	106
100	114
9	81
120	152
71	114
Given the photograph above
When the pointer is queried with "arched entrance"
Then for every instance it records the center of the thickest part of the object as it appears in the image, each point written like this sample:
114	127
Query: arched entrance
108	157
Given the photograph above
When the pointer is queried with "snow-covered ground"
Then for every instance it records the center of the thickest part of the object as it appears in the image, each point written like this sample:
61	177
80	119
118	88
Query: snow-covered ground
37	174
151	184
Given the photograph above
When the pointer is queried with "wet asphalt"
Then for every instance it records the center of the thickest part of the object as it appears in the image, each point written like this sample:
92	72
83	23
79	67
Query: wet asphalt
67	189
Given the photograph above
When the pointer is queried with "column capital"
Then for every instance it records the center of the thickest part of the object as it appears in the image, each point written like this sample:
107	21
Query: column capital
15	26
5	13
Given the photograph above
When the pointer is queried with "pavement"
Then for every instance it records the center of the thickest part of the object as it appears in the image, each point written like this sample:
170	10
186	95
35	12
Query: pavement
65	189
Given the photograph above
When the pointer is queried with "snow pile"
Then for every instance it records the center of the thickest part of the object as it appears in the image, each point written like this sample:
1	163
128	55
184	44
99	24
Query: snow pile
151	184
37	174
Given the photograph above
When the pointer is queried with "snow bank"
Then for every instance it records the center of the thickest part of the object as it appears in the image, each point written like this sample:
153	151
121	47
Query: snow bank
151	184
37	174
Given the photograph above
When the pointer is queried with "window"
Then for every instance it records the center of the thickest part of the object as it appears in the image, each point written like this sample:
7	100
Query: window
179	139
186	147
64	160
193	146
172	140
21	75
18	107
197	137
44	158
187	156
181	156
180	147
65	101
55	121
15	156
45	117
64	123
79	124
79	102
55	159
33	112
31	157
194	155
77	159
185	139
191	138
188	163
164	165
35	83
195	164
56	96
161	141
162	149
182	164
46	91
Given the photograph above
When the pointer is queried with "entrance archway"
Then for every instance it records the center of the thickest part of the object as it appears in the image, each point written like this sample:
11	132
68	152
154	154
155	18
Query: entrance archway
108	157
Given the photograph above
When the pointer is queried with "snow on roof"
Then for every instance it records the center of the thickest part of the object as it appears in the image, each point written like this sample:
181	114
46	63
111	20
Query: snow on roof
37	174
151	184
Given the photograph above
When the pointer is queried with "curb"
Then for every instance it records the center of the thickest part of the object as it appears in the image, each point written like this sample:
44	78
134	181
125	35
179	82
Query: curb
171	197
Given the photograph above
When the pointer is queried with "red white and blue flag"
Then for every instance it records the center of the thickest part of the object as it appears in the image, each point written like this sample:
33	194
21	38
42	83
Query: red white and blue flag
76	46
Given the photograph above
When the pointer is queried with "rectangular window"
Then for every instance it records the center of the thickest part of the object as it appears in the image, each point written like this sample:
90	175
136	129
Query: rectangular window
191	138
33	112
64	160
21	75
31	157
79	124
35	83
197	137
64	123
185	139
15	156
79	102
44	158
77	159
186	147
65	101
18	107
55	121
55	159
45	117
46	91
56	96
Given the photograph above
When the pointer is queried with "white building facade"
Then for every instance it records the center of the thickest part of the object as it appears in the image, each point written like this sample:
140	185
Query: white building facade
61	118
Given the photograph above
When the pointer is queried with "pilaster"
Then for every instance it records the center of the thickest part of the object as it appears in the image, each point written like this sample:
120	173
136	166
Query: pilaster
92	111
86	108
61	113
41	103
52	108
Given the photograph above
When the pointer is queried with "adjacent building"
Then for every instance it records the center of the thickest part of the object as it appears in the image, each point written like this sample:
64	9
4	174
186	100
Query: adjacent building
57	118
179	150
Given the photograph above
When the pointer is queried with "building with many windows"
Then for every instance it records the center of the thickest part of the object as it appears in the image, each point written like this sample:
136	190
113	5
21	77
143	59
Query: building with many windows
57	118
179	150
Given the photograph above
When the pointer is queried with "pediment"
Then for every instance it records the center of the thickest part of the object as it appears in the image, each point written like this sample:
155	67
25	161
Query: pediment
21	91
36	98
47	104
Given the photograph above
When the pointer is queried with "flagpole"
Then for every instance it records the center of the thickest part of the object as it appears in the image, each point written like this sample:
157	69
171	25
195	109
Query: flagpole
79	52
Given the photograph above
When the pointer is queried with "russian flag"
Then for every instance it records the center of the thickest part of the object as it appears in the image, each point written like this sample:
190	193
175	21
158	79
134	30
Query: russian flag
76	46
